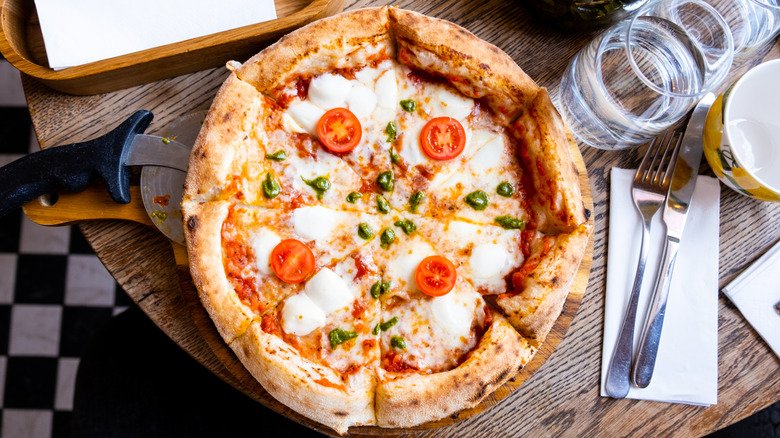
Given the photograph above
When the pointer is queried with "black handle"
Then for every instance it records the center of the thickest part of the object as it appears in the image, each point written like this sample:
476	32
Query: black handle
73	167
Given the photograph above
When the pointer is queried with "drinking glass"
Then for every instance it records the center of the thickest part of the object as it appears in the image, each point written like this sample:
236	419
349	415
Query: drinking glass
642	75
753	23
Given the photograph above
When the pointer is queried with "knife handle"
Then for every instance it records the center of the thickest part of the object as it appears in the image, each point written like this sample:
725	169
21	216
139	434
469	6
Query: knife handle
73	167
651	335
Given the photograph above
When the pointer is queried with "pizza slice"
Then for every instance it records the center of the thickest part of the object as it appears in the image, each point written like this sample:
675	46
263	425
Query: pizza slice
485	255
540	286
249	259
316	351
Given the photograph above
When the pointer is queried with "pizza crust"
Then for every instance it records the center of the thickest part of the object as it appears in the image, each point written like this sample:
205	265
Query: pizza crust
535	308
227	127
475	67
545	144
321	46
298	382
418	398
202	228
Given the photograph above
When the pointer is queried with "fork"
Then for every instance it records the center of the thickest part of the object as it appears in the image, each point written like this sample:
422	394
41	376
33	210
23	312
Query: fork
648	191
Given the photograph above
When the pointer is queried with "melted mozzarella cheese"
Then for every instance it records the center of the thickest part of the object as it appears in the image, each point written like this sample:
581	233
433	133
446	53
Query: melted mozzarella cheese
448	104
411	151
301	316
361	101
386	90
488	260
262	244
404	265
488	158
315	222
328	291
463	232
329	91
454	312
306	115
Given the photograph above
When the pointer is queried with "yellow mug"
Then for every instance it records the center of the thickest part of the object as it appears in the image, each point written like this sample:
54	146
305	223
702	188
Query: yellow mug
742	134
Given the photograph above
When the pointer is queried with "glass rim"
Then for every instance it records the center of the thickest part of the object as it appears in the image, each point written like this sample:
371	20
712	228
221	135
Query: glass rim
709	84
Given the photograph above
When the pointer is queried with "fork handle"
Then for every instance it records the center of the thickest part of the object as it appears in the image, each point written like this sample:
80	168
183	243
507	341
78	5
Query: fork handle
617	381
648	345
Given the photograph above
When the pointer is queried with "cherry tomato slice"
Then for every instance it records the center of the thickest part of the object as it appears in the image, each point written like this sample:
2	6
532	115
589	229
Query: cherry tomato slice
339	130
443	138
292	261
436	276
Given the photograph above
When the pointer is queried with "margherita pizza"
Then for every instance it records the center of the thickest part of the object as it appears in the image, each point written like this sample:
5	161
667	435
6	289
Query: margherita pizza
383	218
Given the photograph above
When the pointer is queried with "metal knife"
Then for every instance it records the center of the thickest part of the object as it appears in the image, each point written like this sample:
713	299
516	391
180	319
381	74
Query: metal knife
73	167
678	199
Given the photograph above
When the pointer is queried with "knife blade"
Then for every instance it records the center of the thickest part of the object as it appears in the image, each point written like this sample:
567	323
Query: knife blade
678	201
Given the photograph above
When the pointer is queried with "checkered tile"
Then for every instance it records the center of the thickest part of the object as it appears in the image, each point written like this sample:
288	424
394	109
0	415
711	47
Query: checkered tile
54	297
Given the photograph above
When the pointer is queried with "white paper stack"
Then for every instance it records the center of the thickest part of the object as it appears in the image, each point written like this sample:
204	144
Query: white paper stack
77	32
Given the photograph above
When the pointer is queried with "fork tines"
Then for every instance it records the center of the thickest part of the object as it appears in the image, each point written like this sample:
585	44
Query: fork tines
661	155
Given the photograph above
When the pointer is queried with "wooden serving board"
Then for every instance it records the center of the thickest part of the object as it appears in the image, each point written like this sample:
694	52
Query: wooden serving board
243	380
96	204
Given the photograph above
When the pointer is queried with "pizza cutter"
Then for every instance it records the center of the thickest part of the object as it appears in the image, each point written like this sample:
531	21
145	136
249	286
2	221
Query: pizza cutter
61	178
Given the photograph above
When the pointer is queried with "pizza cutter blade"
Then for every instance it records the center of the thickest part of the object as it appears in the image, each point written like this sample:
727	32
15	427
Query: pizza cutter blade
162	187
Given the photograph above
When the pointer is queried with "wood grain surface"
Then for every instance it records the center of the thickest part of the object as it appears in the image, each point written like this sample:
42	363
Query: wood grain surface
562	397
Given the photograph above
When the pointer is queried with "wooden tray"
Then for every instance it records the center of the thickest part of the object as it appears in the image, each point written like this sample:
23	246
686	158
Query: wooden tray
21	43
96	204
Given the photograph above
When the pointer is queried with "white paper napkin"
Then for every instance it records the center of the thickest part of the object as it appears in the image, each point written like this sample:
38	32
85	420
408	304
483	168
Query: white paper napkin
686	369
77	32
755	292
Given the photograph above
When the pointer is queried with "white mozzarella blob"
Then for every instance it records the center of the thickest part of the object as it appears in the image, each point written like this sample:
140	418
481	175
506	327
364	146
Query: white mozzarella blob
361	101
329	91
290	125
301	316
306	115
463	231
488	158
328	291
448	104
410	145
454	312
488	260
386	90
315	222
262	244
405	265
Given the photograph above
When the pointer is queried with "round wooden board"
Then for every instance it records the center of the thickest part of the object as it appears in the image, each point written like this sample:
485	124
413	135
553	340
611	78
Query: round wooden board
241	379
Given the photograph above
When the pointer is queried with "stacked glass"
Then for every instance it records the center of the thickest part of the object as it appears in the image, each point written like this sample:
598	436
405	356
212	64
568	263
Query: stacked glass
642	75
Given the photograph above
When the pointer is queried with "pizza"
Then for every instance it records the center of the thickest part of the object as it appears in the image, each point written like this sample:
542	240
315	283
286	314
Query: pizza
383	218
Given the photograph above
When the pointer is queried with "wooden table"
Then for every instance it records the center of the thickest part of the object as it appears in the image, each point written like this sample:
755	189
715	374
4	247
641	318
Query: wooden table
562	397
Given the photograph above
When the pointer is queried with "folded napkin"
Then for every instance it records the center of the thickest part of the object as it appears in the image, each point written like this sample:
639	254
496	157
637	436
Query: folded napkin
77	32
686	369
755	292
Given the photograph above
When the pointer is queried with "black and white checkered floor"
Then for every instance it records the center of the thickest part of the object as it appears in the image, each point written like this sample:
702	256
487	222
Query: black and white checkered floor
55	295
